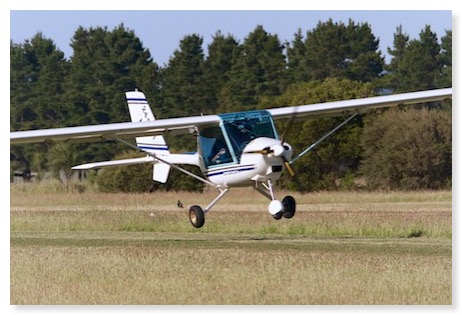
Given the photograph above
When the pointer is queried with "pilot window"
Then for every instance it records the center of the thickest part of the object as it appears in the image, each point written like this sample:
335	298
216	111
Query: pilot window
242	128
213	145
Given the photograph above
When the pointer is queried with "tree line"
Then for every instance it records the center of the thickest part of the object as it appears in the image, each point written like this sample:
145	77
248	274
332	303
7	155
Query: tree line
397	149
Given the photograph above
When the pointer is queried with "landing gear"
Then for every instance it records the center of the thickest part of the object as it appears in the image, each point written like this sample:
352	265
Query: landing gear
288	210
196	216
289	207
276	208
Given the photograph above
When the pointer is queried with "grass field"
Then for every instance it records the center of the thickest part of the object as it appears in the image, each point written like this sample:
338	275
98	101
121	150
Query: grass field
340	248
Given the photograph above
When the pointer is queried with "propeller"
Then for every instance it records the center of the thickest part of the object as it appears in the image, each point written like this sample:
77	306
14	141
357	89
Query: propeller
288	166
287	128
267	150
279	149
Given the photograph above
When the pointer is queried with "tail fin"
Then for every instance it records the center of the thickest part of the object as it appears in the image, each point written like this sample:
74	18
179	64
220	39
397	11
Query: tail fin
141	111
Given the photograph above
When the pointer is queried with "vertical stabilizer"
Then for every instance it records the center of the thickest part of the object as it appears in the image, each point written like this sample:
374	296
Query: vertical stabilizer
141	111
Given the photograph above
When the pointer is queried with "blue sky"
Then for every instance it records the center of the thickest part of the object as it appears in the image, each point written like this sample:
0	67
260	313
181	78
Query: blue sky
161	31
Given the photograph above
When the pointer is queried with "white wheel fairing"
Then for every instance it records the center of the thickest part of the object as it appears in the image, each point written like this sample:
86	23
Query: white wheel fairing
275	206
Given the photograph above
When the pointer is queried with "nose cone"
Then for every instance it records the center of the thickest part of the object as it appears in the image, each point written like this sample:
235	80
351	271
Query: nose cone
269	157
272	148
277	150
287	154
269	146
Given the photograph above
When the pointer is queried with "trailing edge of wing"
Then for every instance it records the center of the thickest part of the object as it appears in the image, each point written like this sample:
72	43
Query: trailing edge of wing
111	131
361	104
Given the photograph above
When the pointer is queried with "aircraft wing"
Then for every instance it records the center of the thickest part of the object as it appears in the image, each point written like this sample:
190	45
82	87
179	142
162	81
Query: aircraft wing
132	129
111	131
362	104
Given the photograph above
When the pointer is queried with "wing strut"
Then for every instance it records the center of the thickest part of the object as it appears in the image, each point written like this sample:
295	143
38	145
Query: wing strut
168	163
311	147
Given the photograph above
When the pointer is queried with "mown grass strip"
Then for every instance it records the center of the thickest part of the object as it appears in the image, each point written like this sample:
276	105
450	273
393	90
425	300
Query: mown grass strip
251	242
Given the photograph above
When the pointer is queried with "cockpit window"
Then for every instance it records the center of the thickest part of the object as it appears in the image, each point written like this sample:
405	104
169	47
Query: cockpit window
215	150
224	144
241	128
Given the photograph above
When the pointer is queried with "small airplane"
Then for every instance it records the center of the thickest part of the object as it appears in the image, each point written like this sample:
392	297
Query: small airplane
233	149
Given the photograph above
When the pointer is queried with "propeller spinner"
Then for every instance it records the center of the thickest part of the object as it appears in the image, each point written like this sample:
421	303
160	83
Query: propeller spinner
280	149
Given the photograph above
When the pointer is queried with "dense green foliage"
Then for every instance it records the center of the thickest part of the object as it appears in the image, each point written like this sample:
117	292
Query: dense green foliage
408	149
336	50
333	61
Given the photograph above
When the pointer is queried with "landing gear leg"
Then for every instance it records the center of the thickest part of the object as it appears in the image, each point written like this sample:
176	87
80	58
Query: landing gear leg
276	208
197	215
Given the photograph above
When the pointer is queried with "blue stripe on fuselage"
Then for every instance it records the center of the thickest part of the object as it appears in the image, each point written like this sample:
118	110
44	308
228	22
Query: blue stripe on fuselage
230	171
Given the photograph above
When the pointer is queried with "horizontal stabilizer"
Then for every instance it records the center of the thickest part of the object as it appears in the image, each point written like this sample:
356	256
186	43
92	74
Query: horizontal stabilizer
89	166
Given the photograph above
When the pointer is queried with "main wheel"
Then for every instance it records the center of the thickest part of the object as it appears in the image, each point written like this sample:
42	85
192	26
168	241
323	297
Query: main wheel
196	216
289	207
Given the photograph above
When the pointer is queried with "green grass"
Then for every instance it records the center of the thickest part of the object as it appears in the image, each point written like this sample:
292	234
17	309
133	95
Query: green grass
435	224
340	248
157	269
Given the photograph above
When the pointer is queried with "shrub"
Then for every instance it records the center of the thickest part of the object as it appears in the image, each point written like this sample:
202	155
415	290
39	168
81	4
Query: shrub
126	178
408	149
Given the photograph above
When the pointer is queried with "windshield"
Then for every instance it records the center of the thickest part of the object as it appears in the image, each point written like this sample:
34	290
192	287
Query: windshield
224	144
243	127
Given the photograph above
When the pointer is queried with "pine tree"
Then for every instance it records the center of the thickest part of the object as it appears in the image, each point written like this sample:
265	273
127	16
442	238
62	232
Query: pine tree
105	64
363	60
446	60
342	51
416	65
36	82
184	90
217	67
258	70
37	70
395	69
296	61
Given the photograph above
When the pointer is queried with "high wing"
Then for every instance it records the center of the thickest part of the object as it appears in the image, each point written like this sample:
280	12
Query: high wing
111	131
132	129
362	104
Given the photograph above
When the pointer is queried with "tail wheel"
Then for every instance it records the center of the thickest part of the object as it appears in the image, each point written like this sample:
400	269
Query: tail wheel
289	207
196	216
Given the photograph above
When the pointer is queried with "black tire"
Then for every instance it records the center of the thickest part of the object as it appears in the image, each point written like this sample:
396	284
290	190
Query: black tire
196	216
289	207
278	216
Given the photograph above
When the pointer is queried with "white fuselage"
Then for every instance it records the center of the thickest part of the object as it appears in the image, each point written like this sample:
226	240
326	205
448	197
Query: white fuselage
252	167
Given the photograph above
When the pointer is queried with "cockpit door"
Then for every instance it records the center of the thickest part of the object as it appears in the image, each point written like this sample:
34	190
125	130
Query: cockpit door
215	148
